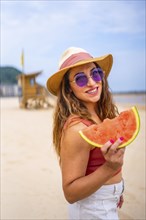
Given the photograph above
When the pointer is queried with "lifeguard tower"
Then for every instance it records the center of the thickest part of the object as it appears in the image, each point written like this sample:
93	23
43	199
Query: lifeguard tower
31	94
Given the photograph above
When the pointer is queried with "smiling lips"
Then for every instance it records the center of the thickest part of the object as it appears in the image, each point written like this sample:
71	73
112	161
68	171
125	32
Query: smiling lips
92	91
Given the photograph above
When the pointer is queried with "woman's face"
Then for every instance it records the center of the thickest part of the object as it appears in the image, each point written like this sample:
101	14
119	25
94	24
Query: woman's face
91	92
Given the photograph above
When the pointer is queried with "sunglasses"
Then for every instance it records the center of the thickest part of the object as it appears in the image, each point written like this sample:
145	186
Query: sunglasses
82	80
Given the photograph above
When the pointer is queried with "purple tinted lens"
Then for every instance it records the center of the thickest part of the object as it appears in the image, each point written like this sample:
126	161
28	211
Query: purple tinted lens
97	74
81	79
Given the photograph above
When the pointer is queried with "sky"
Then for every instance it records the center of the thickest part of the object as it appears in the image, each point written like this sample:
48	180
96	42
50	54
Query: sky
45	28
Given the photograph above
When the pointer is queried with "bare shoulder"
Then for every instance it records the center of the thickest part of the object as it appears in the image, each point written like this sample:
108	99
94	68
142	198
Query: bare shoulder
72	141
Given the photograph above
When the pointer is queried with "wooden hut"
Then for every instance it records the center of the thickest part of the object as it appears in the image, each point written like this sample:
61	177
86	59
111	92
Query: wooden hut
31	94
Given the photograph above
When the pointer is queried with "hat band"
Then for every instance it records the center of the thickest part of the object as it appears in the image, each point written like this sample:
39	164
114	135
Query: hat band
75	58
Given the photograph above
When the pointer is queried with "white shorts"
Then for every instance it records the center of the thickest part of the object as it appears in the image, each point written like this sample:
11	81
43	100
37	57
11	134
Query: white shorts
101	205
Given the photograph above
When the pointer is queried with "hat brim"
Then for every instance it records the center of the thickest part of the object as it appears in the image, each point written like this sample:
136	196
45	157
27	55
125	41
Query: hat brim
53	83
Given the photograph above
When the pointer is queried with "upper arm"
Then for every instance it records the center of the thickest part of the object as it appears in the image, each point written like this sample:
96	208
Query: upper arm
74	155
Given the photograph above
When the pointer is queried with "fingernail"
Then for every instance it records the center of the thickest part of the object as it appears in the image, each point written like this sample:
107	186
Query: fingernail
112	141
121	138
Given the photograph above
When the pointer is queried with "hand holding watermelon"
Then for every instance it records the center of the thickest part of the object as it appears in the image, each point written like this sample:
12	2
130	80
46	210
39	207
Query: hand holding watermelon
113	154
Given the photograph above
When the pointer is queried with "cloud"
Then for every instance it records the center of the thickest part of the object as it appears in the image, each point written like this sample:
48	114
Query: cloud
111	16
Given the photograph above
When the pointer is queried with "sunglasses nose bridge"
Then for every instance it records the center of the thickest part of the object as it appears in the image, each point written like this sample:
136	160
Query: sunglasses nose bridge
90	80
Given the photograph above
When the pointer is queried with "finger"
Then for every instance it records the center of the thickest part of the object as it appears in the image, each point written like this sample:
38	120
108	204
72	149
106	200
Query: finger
114	147
106	146
120	202
120	152
111	146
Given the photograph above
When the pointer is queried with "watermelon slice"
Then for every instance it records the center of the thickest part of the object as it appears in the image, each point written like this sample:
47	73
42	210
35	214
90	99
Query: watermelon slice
126	125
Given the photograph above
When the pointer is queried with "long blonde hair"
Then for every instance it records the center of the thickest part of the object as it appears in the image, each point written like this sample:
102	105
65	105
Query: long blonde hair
68	103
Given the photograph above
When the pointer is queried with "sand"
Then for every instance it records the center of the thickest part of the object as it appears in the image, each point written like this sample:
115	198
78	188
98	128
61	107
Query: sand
30	174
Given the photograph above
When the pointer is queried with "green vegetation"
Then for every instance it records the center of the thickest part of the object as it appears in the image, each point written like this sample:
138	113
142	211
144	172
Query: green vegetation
8	75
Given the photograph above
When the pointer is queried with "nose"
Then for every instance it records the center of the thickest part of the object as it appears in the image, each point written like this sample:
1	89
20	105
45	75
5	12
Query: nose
91	82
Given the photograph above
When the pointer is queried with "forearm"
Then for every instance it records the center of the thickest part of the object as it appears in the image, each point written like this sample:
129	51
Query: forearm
84	186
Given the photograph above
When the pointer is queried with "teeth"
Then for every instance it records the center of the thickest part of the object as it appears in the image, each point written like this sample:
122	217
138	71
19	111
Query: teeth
92	91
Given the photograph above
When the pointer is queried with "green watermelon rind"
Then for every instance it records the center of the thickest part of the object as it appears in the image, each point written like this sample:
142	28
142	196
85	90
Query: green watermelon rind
134	109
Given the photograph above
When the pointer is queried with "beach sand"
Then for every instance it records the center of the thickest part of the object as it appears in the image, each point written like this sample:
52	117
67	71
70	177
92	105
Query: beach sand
30	174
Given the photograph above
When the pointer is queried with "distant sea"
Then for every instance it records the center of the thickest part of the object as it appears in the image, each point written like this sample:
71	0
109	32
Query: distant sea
131	98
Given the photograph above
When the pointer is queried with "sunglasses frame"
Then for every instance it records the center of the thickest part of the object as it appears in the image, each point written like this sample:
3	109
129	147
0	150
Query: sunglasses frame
96	68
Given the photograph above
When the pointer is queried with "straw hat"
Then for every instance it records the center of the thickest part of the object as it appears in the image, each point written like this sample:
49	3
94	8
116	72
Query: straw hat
74	57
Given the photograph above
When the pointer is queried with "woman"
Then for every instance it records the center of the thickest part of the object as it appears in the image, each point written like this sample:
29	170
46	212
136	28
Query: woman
91	177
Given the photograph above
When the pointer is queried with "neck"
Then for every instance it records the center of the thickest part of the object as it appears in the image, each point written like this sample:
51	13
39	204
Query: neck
91	108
